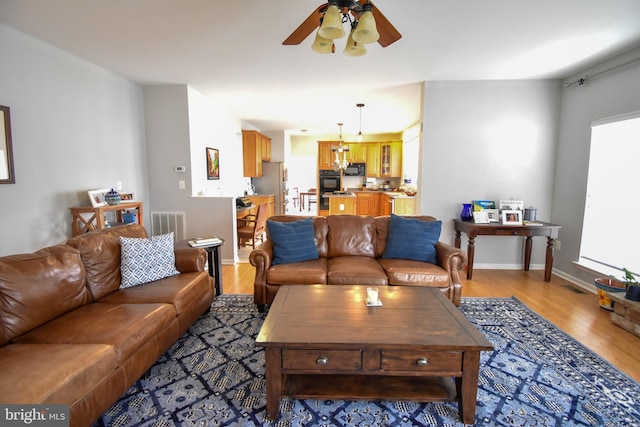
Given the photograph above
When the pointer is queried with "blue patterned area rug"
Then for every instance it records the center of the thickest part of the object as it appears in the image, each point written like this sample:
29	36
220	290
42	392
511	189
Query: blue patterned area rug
536	376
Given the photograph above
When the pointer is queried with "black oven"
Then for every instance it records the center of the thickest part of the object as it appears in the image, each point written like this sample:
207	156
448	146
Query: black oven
328	183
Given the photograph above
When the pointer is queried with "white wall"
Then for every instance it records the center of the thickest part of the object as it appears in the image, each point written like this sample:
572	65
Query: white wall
76	127
489	140
611	94
180	123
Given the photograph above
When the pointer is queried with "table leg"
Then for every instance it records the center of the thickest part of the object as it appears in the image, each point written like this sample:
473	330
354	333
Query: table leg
471	249
548	262
273	378
457	241
527	253
467	387
217	265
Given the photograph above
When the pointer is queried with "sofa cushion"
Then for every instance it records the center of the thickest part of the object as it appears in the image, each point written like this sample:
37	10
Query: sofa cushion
54	373
313	272
37	287
145	260
100	251
414	273
292	241
126	327
351	235
355	270
181	291
413	239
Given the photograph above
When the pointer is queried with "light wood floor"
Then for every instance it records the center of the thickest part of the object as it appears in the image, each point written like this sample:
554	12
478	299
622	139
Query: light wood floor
572	310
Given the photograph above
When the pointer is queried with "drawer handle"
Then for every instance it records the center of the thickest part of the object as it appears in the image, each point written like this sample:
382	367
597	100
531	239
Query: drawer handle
423	361
322	360
515	233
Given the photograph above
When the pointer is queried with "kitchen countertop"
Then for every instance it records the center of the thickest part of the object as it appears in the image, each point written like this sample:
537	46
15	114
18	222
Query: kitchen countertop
343	194
390	193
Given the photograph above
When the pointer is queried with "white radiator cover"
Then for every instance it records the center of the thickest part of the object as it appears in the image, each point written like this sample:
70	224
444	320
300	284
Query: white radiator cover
166	222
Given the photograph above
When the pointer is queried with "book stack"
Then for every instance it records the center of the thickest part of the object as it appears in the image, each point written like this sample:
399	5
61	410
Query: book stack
204	241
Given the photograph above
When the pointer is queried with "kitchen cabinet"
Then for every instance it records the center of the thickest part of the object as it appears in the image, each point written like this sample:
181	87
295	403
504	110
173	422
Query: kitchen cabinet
391	159
357	152
256	148
257	199
373	159
325	155
386	204
368	203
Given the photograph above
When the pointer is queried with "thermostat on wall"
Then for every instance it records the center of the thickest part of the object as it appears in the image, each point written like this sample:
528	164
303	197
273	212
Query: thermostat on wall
180	169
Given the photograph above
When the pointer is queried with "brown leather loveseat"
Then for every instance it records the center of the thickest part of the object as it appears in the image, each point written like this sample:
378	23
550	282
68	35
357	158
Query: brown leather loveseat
351	251
69	335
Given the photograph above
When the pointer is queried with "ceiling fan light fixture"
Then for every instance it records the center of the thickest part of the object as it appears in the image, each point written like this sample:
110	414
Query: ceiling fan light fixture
331	27
322	45
366	31
354	48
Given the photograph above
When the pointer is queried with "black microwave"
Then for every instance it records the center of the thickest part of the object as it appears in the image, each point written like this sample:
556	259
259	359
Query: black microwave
356	169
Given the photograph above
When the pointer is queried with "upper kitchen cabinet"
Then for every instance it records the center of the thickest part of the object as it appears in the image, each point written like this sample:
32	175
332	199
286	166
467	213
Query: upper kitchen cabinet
325	155
373	159
391	159
357	152
256	148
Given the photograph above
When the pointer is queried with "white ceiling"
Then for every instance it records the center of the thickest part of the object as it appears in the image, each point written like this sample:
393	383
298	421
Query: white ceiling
233	52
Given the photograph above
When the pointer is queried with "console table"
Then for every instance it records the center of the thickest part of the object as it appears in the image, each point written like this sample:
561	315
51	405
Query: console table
472	230
96	221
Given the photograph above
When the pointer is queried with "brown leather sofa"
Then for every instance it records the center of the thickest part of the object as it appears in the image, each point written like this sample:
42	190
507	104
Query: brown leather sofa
351	249
69	335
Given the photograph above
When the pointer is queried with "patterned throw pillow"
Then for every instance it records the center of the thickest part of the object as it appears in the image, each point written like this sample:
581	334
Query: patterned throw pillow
145	260
412	238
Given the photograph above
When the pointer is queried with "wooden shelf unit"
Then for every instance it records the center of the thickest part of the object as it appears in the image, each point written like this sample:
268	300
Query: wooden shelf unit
96	221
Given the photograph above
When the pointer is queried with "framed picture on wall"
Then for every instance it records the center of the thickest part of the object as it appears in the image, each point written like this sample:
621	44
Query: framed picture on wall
213	163
6	150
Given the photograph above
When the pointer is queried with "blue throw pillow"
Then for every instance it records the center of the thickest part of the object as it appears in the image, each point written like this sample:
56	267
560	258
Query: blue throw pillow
411	238
292	241
144	260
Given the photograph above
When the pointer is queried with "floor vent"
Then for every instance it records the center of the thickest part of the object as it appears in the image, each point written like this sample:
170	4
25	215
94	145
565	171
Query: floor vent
574	289
166	222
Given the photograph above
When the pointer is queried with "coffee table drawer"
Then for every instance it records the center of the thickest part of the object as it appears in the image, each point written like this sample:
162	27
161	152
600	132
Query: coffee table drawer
421	361
313	359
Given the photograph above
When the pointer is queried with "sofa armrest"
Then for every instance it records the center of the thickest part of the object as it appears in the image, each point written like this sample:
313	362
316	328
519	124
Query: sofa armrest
261	258
190	259
453	260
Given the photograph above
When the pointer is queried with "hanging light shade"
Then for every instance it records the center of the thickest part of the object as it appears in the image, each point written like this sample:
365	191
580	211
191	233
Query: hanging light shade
354	48
322	45
366	31
360	137
331	27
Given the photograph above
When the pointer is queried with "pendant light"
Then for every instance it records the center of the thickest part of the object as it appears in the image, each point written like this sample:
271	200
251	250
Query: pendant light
360	137
340	164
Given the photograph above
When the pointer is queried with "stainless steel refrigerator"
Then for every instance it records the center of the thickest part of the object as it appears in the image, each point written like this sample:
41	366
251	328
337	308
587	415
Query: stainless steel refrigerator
273	181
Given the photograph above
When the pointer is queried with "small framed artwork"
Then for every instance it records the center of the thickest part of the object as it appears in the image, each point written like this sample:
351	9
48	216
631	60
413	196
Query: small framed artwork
213	163
97	197
493	215
480	217
6	150
127	197
512	217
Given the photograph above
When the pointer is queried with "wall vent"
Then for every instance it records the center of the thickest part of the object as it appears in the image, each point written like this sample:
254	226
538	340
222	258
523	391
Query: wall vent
166	222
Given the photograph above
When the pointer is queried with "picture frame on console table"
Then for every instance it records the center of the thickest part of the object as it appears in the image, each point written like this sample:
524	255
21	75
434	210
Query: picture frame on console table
493	215
512	217
97	197
128	197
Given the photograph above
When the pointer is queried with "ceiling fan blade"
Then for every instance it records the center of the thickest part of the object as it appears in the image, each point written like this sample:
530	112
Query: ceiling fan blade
388	33
307	27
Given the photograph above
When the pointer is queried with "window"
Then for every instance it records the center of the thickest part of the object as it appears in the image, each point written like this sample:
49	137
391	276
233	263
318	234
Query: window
609	231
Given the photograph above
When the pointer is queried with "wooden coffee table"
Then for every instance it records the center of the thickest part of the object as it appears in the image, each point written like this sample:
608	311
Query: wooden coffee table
323	342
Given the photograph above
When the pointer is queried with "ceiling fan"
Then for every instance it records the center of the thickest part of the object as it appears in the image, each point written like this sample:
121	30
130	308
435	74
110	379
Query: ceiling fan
352	11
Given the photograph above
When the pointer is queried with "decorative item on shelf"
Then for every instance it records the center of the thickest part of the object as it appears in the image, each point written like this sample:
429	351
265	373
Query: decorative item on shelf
606	286
467	212
632	284
530	213
112	197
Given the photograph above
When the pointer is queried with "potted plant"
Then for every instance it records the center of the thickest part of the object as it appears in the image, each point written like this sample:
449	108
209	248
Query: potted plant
632	284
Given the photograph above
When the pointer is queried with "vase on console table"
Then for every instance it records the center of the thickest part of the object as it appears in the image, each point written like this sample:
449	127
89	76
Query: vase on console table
467	212
112	197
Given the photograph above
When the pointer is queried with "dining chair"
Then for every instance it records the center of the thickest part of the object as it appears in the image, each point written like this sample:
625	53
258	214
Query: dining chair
253	227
